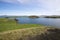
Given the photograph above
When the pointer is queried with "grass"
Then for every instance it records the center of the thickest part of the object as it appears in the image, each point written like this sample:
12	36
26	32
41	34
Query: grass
10	30
22	34
8	24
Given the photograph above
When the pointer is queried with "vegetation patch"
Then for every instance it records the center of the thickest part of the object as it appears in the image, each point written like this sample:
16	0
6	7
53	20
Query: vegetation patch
9	24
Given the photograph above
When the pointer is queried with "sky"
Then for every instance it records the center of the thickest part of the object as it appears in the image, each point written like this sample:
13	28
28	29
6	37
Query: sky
29	7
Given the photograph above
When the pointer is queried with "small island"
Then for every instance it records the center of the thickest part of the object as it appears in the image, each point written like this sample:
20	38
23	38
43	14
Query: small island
52	16
33	16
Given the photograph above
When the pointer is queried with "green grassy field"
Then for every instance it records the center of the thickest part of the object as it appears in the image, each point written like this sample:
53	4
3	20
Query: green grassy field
8	24
10	30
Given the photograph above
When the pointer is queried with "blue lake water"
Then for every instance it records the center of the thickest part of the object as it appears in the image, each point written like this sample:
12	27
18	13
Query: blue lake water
45	21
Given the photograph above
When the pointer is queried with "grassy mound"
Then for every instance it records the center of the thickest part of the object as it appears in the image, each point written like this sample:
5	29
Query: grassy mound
22	34
39	33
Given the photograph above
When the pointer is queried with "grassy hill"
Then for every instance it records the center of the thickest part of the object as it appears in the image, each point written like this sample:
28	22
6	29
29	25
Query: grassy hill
35	33
10	30
22	34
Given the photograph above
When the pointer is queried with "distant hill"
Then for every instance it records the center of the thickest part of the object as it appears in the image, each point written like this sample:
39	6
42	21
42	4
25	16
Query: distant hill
52	16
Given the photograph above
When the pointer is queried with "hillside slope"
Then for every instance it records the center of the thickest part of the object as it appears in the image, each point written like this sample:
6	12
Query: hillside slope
35	33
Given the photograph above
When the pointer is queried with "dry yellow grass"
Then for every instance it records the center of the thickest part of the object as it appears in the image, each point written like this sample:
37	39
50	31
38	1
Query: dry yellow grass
22	34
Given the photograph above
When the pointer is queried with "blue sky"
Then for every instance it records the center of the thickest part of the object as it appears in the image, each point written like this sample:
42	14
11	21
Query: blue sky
29	7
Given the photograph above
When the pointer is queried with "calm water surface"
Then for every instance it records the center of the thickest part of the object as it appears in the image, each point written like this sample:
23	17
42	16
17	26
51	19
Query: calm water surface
45	21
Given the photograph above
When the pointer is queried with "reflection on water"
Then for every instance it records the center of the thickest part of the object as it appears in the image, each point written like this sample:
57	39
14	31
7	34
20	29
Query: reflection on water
45	21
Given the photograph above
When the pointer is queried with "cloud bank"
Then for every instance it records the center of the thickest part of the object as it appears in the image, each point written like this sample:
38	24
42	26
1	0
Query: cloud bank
52	6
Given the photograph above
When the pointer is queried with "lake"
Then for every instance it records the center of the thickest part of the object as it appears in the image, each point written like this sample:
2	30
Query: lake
55	22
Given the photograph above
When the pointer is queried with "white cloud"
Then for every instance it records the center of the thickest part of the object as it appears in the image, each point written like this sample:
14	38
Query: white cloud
16	1
49	6
23	1
9	1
